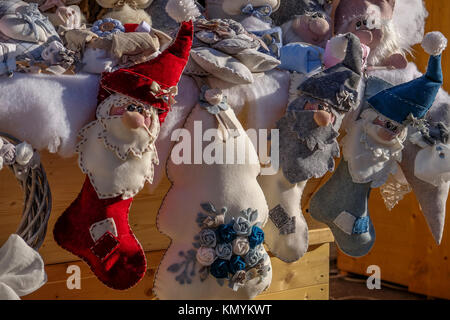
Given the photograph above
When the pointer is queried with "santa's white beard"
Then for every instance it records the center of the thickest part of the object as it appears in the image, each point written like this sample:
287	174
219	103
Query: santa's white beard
110	175
369	160
388	46
125	141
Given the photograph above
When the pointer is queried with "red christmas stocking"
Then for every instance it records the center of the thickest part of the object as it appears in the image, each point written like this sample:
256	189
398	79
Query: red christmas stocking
97	231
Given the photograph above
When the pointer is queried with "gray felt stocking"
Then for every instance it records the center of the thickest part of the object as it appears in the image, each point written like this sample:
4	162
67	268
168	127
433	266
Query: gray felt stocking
343	206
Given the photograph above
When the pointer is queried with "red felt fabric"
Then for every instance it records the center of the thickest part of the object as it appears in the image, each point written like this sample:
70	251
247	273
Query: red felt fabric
130	27
166	70
126	265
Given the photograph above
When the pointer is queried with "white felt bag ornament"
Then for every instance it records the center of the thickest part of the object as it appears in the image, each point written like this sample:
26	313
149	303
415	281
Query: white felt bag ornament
231	190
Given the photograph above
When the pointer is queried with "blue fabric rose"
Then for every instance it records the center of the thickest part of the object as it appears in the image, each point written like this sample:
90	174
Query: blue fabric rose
208	238
253	257
224	251
226	233
242	226
256	237
220	269
236	264
107	26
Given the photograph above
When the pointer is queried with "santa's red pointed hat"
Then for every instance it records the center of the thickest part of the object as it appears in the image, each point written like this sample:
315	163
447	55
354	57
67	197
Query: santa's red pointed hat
153	82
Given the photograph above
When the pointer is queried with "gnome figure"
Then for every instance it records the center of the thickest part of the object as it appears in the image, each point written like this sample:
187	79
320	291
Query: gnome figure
308	145
372	150
117	153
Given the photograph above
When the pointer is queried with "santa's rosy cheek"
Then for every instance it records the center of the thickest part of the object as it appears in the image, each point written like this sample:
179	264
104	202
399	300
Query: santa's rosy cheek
310	106
385	134
117	111
148	122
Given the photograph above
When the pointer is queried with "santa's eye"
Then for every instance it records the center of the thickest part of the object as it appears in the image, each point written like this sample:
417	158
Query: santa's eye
389	125
132	108
140	109
365	22
358	25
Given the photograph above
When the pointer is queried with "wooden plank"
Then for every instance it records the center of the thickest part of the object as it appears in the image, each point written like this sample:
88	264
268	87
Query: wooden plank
319	292
312	270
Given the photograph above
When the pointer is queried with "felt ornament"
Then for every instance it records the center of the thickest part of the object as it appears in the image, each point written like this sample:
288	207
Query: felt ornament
23	21
126	11
373	22
372	150
305	21
117	153
216	250
308	146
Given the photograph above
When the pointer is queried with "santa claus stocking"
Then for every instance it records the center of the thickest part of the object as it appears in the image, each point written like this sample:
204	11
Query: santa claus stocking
117	153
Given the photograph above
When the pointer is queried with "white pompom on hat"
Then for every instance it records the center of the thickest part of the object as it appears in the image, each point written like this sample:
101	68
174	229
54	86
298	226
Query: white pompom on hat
182	10
434	43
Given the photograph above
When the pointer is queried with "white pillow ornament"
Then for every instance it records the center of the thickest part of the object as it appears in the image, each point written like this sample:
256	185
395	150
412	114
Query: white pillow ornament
214	211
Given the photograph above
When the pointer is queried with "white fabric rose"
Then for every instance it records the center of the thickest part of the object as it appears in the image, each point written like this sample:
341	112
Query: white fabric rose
241	246
206	256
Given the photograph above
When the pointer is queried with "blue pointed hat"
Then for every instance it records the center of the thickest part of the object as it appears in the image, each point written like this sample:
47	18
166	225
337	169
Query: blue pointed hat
417	96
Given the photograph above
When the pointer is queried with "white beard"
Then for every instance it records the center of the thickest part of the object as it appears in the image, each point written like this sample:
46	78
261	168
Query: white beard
117	166
368	159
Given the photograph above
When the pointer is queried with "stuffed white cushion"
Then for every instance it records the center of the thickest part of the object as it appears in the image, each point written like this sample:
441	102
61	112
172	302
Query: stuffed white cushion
222	65
257	61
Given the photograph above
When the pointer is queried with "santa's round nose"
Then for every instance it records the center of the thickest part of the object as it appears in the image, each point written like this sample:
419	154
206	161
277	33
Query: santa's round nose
133	120
319	26
365	36
322	118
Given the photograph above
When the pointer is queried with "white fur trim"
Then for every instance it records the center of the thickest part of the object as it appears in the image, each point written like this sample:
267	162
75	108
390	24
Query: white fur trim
434	43
182	10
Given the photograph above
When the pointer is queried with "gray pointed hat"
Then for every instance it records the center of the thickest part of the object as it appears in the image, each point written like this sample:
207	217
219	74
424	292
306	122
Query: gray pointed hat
338	85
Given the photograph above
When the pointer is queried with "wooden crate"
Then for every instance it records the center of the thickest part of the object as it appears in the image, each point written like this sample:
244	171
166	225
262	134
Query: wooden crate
305	279
404	247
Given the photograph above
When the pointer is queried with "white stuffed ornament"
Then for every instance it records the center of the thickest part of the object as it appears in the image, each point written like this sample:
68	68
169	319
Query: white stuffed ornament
127	11
216	250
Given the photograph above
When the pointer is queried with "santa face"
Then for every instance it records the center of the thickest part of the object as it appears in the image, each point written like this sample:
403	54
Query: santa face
372	22
432	164
312	28
372	148
308	149
118	149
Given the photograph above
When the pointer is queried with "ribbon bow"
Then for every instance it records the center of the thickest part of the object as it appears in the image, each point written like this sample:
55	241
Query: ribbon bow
167	95
262	12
